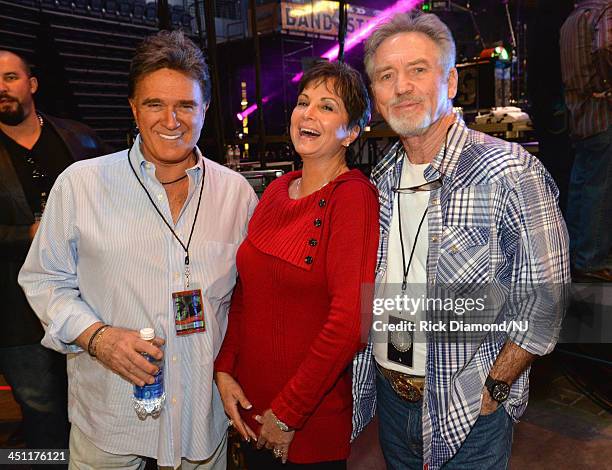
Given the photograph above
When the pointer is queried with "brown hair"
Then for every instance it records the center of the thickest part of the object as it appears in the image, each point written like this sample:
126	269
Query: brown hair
347	84
169	50
24	63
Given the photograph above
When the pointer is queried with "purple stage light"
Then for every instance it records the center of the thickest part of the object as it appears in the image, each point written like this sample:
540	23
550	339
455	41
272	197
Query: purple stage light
296	78
356	37
242	114
401	6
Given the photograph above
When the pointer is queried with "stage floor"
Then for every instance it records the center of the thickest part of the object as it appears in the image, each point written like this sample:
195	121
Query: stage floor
562	428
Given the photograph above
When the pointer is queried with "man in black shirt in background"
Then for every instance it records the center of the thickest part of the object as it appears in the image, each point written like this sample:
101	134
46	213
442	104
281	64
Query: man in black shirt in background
34	149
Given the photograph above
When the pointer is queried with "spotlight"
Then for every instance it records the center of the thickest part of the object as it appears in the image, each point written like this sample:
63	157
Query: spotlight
241	115
359	35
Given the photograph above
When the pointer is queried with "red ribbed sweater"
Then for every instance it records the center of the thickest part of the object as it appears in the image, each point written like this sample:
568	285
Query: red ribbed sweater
296	321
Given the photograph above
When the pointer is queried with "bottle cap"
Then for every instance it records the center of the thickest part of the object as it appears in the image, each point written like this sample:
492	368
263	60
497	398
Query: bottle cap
147	334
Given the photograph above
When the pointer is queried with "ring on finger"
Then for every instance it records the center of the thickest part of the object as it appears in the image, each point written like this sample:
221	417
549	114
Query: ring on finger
278	453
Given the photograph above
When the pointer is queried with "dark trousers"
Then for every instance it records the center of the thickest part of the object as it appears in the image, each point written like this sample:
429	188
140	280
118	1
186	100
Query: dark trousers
589	207
37	376
264	460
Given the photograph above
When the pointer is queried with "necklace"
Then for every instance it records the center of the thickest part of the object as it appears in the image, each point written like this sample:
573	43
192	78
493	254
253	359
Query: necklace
297	187
40	119
180	178
174	181
299	182
195	218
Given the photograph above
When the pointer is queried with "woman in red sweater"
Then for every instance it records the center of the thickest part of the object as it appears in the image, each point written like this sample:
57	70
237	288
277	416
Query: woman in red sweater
296	320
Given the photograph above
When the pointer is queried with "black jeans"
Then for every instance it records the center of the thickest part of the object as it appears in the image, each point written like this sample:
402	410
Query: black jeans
37	376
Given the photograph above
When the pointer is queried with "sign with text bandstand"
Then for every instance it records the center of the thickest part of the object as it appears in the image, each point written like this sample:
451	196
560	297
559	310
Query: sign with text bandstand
320	18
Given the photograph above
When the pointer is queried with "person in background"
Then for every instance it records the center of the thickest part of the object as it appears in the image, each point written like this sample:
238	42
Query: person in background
124	238
296	321
586	67
34	149
461	212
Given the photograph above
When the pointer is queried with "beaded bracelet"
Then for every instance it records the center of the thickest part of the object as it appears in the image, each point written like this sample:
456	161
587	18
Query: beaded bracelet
98	338
91	339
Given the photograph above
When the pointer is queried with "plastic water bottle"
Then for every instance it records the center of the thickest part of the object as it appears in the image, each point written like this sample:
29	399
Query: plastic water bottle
43	203
231	160
150	399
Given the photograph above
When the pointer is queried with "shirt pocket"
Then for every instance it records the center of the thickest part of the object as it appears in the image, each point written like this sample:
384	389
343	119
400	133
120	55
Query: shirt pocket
216	270
464	256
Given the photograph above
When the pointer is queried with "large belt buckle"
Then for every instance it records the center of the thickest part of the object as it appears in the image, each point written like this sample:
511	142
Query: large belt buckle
404	387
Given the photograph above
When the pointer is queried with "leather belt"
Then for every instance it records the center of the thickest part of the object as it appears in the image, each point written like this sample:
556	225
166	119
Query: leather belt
408	387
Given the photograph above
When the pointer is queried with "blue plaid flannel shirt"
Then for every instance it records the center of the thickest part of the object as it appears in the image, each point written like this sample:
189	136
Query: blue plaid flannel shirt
498	211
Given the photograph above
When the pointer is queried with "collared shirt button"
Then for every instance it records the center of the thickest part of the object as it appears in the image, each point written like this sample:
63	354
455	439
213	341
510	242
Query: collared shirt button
308	260
313	242
173	358
317	222
435	201
432	279
173	400
454	249
322	203
160	196
434	238
177	276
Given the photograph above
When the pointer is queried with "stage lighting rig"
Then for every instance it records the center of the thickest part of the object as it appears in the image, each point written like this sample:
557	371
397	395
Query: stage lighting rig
431	6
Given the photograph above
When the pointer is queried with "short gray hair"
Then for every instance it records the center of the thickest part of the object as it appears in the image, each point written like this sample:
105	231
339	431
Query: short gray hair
169	50
425	23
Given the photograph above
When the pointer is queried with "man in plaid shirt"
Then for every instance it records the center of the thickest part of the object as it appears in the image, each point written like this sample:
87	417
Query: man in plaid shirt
458	209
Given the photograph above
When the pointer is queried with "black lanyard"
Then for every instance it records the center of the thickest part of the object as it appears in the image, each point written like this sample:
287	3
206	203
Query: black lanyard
405	268
195	218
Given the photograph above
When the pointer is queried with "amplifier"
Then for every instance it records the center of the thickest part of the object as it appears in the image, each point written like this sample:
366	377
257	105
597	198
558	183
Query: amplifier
483	84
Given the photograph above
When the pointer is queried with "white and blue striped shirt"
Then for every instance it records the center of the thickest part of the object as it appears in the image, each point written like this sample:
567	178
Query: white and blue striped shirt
494	223
102	253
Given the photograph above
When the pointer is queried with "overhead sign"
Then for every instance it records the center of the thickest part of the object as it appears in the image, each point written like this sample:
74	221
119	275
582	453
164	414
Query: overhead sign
321	17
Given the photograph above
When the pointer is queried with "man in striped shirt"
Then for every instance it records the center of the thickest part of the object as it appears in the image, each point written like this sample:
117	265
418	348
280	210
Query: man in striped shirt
123	240
462	213
586	51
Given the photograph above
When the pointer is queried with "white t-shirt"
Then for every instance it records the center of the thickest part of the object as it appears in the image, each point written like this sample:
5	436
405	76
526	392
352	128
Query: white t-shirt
412	208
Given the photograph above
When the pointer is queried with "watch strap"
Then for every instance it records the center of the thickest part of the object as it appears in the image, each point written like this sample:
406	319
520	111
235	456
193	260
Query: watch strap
489	382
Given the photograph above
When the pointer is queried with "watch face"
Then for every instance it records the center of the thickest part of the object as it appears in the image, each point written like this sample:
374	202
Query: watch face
401	340
500	391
